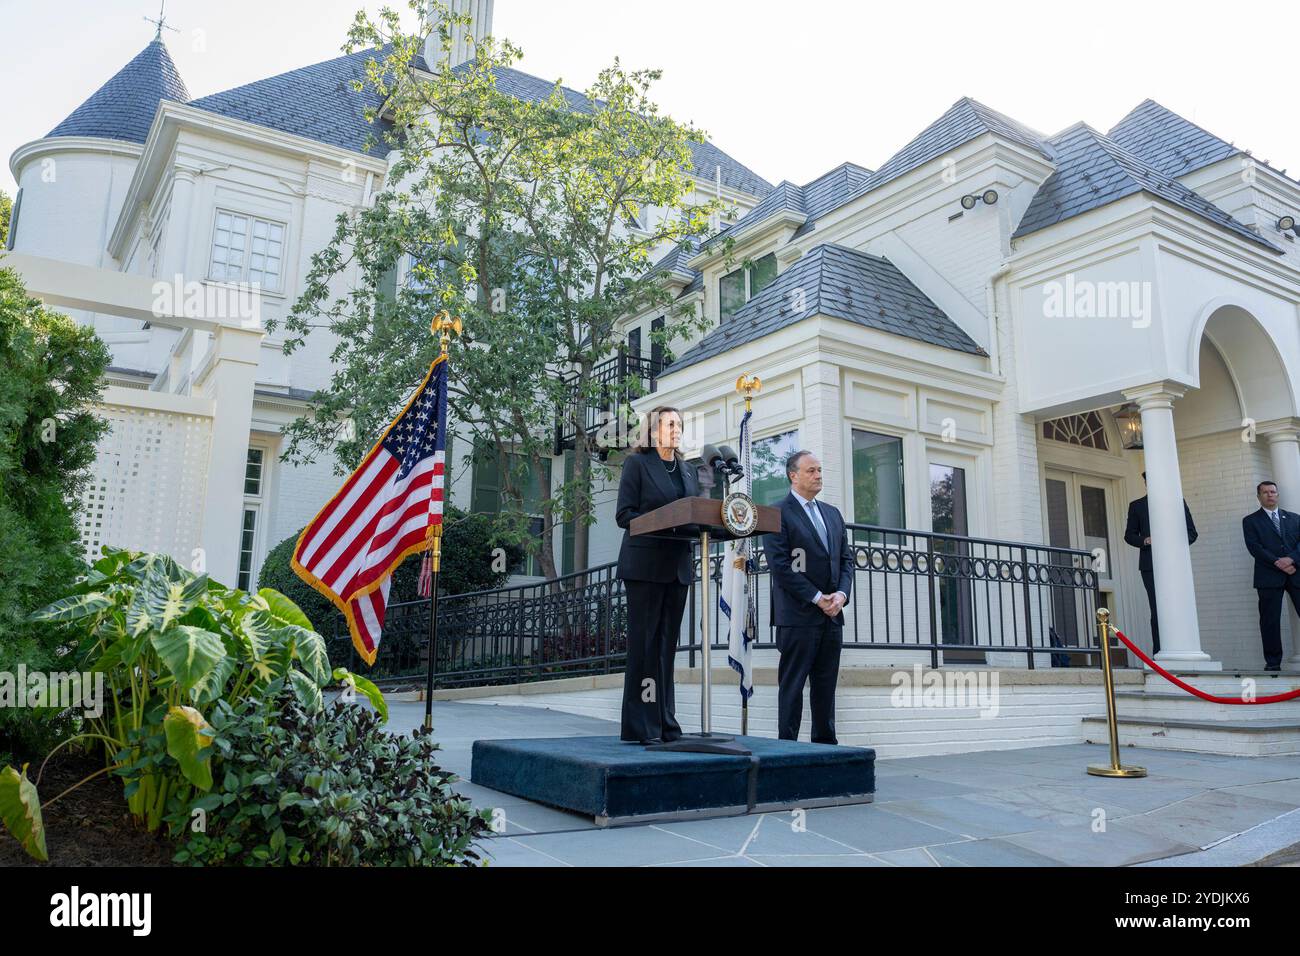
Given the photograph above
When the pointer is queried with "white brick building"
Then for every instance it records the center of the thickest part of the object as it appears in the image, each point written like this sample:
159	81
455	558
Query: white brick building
971	315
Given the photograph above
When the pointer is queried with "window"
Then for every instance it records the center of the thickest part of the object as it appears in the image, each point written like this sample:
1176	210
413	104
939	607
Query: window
245	249
659	357
1085	430
247	539
253	472
634	343
254	482
487	492
737	288
877	479
769	455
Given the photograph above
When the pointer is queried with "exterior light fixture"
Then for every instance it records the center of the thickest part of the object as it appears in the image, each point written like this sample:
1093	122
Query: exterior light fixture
1129	421
988	197
1286	223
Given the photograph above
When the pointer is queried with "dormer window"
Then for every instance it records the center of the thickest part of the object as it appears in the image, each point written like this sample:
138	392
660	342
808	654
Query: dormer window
737	288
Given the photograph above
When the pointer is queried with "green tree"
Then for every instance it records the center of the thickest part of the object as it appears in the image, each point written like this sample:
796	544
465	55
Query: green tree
6	212
513	215
50	373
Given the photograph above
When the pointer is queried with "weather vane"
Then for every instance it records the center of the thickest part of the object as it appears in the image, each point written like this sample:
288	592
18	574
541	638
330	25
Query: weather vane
161	21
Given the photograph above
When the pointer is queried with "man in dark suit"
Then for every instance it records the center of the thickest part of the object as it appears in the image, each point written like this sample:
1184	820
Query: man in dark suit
1273	540
1138	534
812	578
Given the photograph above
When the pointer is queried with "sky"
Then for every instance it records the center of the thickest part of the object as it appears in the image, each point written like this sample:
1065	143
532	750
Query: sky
790	89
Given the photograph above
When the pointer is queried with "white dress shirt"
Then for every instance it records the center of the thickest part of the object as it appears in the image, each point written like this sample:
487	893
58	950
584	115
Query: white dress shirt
804	503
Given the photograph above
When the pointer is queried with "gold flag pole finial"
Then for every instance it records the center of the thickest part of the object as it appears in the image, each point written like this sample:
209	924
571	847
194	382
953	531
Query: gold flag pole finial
749	385
443	326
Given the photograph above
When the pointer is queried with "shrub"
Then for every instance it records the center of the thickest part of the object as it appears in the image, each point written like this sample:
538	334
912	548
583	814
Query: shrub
324	789
168	642
50	371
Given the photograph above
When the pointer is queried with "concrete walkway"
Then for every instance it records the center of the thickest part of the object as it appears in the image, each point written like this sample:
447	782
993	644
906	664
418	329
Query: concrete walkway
1034	807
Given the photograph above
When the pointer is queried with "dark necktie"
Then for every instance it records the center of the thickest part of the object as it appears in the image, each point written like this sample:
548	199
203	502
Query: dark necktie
1277	521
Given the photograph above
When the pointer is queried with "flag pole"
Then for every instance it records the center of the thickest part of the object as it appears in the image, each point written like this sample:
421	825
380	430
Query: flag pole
747	385
443	326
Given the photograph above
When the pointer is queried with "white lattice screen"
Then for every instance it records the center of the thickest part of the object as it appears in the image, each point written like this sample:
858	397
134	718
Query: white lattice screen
148	483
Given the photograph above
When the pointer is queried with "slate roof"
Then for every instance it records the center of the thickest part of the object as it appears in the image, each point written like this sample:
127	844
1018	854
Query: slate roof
965	120
706	157
124	107
1092	170
675	261
316	102
814	200
841	283
1167	142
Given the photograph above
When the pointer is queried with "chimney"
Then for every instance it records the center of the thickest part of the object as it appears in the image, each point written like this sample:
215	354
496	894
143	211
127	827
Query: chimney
463	41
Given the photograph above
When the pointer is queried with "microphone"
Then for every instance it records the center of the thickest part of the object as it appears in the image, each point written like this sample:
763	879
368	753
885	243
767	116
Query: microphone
731	461
712	457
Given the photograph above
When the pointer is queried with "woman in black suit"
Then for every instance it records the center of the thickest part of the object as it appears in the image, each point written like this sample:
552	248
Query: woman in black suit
656	575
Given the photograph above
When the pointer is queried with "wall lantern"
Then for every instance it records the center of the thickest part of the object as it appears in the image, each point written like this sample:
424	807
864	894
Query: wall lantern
1129	421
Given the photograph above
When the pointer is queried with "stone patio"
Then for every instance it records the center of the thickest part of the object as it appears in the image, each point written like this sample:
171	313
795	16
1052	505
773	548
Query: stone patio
1029	807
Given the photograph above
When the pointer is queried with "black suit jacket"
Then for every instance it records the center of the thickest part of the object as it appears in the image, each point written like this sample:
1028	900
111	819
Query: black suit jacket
793	591
1266	546
644	487
1139	529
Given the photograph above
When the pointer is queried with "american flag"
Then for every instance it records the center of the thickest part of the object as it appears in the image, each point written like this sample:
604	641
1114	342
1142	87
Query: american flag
384	513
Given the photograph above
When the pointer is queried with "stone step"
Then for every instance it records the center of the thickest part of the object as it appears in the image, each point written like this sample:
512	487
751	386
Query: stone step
1240	738
1224	685
1144	704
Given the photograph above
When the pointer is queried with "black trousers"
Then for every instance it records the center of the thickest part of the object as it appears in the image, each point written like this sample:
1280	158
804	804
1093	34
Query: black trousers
1149	582
808	654
654	623
1270	618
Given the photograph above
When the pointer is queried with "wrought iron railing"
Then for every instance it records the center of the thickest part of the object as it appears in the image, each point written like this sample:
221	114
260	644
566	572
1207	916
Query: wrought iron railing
917	597
616	382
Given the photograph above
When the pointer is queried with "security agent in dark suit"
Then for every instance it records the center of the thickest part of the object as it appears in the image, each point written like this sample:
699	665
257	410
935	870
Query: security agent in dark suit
1273	539
812	578
1138	534
656	574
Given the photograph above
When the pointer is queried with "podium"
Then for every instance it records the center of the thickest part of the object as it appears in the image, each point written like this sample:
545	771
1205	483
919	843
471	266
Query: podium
702	518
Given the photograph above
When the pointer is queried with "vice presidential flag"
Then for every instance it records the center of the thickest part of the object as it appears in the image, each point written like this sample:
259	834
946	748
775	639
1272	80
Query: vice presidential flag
385	512
738	599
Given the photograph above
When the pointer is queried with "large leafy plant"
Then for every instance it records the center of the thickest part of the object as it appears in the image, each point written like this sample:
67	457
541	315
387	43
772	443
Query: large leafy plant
170	643
324	789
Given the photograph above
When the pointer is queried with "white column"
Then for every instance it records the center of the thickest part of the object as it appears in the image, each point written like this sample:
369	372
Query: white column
1180	635
228	380
822	431
1284	452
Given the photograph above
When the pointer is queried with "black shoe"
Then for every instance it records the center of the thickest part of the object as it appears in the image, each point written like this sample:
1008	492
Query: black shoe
1272	667
670	737
653	741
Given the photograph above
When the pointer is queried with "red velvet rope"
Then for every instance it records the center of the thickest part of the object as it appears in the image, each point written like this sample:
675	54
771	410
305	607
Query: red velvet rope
1275	699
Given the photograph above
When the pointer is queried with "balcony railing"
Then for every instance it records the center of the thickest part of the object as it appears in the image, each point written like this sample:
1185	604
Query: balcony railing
617	382
917	597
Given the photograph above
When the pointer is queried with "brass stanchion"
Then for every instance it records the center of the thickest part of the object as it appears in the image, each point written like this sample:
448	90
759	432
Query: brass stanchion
1115	769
